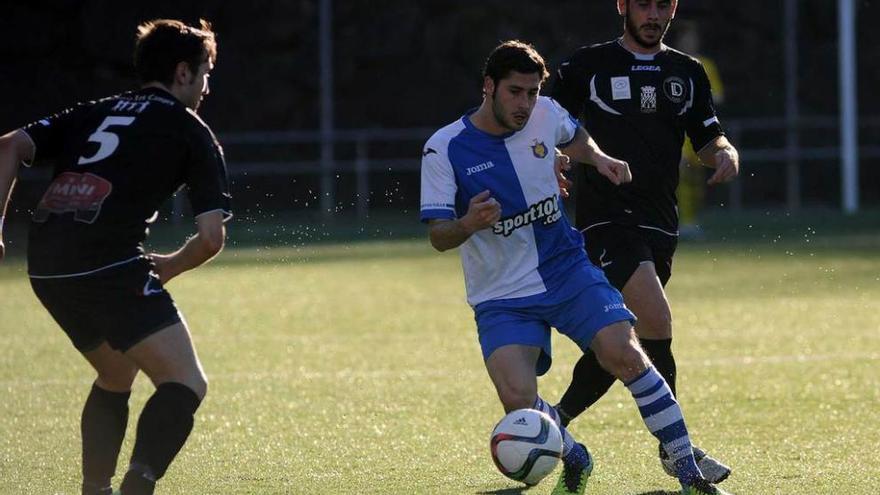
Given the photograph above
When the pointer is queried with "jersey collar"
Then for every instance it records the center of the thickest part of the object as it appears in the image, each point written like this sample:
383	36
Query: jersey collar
159	92
647	57
466	119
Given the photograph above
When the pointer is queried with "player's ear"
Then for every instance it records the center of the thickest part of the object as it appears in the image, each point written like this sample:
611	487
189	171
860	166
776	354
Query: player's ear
621	6
182	74
488	87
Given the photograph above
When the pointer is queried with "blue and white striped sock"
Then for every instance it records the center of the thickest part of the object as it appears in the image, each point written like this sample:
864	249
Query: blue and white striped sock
567	440
662	415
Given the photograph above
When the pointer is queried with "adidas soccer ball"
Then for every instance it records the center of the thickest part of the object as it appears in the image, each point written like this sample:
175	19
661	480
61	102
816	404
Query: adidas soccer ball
526	445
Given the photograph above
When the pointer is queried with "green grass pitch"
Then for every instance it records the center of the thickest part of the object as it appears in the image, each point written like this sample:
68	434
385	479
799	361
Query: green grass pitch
354	368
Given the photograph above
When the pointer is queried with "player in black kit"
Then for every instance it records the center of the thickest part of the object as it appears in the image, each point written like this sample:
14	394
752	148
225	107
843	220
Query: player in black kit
637	98
116	161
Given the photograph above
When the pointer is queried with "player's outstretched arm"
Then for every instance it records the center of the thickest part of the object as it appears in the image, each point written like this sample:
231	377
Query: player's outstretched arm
583	149
483	212
15	147
723	157
198	249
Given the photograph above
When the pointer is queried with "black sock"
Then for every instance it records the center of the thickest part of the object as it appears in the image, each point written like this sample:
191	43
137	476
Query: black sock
163	428
104	418
660	353
589	382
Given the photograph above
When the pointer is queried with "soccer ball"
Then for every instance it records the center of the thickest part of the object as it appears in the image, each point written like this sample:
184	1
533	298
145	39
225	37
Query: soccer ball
526	445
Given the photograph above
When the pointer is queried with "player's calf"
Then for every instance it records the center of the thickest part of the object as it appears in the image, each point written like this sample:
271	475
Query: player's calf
164	426
619	351
512	370
169	359
104	419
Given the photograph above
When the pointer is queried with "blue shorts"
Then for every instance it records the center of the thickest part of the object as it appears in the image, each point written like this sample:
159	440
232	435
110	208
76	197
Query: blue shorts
577	310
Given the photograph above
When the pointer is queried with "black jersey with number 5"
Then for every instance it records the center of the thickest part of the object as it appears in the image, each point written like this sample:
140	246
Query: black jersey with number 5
116	161
638	109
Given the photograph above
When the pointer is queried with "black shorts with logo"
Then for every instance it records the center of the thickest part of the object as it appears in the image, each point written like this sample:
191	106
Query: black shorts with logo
619	250
121	305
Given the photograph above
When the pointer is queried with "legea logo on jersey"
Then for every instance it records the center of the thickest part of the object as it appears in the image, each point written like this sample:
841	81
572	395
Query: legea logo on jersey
545	211
539	149
479	168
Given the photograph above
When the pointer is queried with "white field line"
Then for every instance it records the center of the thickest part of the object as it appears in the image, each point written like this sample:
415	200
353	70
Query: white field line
349	374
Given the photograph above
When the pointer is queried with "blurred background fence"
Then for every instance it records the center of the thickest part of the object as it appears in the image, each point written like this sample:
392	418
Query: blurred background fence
323	105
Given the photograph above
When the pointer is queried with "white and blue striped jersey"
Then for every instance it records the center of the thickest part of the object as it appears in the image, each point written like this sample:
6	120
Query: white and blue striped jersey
533	247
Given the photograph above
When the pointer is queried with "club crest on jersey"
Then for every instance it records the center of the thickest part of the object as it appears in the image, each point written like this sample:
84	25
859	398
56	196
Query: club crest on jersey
673	88
649	99
82	194
538	149
545	211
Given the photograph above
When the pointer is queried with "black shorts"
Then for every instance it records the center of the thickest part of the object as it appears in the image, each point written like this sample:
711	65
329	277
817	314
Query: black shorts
121	305
619	250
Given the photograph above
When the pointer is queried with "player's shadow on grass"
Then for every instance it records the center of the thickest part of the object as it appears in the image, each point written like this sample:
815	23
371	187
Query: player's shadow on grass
524	489
505	491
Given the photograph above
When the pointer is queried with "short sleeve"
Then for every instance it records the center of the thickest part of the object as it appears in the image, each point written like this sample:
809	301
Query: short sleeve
206	177
702	124
438	187
566	125
49	133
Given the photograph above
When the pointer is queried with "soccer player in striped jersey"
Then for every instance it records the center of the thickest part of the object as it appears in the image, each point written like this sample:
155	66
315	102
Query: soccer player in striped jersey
489	188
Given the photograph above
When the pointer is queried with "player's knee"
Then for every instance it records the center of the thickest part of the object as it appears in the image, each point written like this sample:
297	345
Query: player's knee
199	385
625	360
195	381
517	396
117	379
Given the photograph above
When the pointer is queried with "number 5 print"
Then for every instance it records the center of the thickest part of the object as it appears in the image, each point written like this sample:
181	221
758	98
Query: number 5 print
108	140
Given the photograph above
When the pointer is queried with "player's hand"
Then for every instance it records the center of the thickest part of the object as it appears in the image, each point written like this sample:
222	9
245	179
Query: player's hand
483	212
726	166
617	171
162	266
561	165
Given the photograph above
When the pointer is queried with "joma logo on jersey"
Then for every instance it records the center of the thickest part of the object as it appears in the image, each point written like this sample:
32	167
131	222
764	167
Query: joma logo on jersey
546	211
82	194
480	168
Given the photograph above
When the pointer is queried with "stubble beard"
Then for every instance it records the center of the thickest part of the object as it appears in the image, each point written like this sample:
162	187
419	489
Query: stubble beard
633	30
498	112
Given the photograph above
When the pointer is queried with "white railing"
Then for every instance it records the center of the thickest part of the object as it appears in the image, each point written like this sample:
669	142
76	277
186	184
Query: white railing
364	162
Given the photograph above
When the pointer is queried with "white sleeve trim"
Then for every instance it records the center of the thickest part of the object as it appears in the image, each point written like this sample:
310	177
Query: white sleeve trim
226	214
33	145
